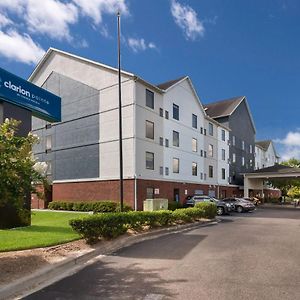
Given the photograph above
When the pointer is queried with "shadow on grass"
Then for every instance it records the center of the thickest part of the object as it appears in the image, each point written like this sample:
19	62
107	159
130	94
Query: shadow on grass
41	229
111	280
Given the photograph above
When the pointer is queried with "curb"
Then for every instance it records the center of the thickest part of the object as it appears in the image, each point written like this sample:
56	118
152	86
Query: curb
279	207
50	274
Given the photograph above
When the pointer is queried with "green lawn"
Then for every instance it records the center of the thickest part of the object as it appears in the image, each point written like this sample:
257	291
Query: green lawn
47	229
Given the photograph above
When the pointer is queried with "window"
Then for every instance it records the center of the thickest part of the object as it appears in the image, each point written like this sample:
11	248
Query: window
211	129
205	154
210	150
194	145
243	161
49	168
243	145
204	176
150	193
48	126
161	112
201	130
166	114
161	141
150	130
149	160
201	153
204	131
161	170
223	154
175	112
194	169
167	143
250	149
223	174
223	135
167	171
233	140
175	165
194	121
210	171
233	158
251	163
175	138
48	143
201	176
149	99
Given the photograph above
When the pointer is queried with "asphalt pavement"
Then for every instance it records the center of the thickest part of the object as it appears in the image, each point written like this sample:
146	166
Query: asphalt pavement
246	256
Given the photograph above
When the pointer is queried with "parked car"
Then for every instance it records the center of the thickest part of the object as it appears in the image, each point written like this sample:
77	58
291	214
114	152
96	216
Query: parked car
240	204
254	200
222	207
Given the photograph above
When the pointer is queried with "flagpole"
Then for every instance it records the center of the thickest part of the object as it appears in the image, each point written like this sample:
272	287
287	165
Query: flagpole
120	118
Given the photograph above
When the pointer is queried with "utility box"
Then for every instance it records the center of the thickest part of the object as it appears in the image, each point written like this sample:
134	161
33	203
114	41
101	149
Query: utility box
155	204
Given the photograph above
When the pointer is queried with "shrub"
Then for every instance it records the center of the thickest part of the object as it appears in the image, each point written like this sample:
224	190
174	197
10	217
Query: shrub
96	207
209	209
111	225
174	205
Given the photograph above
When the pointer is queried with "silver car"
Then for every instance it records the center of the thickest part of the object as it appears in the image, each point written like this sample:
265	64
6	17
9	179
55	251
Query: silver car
240	205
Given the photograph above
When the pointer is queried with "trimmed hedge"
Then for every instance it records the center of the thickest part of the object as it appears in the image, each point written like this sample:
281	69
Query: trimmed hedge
174	205
111	225
99	206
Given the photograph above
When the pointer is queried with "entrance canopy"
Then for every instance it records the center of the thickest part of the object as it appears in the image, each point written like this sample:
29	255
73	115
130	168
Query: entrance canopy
255	180
22	93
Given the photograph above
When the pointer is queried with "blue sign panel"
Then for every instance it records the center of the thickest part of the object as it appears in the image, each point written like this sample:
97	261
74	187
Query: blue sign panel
18	91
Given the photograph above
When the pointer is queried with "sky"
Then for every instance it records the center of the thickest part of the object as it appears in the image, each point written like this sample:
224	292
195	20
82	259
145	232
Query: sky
227	47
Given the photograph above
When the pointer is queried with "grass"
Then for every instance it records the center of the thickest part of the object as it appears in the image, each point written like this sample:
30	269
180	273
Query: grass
47	229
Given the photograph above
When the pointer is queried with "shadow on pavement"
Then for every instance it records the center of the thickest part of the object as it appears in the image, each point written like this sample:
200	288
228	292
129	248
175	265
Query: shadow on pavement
110	281
171	246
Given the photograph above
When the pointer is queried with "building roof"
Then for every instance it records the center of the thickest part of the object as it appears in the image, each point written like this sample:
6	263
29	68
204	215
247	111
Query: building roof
168	84
263	144
278	169
223	108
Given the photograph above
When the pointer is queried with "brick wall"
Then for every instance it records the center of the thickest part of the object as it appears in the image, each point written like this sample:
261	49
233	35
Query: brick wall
94	191
109	190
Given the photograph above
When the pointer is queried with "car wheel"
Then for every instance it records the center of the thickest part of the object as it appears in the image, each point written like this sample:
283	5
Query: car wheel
220	211
240	209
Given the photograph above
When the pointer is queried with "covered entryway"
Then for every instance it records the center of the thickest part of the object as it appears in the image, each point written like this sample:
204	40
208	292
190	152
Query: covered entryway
255	180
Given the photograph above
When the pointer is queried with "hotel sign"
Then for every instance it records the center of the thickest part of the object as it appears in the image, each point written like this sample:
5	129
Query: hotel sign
20	92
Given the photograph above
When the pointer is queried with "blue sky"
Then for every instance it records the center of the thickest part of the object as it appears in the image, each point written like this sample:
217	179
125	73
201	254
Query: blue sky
227	47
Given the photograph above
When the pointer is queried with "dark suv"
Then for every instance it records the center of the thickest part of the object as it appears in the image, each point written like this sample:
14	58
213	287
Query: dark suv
222	207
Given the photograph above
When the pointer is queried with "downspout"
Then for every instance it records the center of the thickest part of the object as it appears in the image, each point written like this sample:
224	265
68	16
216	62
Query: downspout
135	192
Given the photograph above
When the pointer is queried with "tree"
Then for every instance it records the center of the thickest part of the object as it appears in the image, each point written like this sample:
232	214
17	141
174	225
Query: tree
16	175
285	185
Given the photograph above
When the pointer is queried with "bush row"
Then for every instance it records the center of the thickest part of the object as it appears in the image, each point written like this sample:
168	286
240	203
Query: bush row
111	225
99	206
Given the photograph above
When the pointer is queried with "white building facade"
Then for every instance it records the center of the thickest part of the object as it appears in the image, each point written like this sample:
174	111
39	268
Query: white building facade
171	148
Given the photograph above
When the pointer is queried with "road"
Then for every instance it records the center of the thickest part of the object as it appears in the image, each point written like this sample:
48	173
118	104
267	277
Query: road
246	256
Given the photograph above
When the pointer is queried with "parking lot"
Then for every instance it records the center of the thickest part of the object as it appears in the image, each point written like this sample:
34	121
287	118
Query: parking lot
246	256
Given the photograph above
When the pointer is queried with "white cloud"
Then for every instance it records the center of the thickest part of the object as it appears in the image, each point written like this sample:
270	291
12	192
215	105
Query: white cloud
16	6
186	18
4	21
96	8
138	45
290	145
20	47
51	17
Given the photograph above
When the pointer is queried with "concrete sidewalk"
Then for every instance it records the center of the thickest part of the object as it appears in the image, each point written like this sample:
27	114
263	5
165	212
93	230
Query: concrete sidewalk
50	274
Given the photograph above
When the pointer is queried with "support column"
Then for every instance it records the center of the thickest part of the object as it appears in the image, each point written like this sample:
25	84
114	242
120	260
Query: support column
246	186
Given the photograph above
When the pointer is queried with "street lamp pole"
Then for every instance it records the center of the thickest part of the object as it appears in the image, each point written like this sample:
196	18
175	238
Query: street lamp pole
120	118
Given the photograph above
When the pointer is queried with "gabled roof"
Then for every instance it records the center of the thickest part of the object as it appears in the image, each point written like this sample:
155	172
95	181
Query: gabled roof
279	169
92	62
263	144
166	85
225	108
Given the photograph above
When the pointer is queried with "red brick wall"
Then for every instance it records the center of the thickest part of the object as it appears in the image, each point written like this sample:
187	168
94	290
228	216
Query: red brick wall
109	190
94	191
39	202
